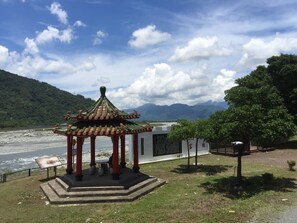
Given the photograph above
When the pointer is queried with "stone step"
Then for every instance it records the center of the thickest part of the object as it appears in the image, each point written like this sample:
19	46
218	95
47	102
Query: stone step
62	184
147	189
61	192
49	192
55	199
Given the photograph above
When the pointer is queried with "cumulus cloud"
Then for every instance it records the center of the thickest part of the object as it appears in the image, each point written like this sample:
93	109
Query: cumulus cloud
52	33
160	84
222	82
79	23
98	37
3	54
199	48
256	51
148	36
56	9
31	46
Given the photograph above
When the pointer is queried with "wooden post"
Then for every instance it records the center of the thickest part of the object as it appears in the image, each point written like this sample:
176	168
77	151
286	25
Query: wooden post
93	163
4	178
135	153
115	158
123	158
78	174
239	147
239	177
69	169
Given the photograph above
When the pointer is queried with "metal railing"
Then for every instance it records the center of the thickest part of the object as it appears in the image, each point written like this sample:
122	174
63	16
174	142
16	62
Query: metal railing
17	174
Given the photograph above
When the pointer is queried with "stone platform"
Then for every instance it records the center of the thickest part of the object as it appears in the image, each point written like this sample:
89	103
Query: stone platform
98	189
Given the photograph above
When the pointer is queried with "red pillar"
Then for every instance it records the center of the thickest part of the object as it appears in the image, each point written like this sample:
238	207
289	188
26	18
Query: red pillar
115	158
93	163
78	174
135	154
69	169
123	159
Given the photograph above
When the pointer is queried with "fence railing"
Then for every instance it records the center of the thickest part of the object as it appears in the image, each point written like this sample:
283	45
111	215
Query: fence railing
17	174
4	177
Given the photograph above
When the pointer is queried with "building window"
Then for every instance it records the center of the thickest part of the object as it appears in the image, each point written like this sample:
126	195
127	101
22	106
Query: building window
162	146
142	146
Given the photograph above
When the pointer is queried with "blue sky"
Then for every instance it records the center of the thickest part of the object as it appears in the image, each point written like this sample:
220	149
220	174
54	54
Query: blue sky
144	51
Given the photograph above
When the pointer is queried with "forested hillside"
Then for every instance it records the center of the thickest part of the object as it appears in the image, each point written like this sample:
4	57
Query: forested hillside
28	102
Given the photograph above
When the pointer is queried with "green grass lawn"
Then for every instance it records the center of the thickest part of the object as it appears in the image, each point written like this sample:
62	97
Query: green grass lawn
205	195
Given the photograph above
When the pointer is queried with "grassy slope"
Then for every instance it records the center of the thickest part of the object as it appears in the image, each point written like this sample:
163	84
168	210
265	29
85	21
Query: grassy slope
202	196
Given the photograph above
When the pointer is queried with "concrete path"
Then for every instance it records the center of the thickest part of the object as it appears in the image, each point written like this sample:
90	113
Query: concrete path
289	216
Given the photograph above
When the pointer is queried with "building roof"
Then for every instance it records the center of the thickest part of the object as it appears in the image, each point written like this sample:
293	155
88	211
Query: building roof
102	119
102	109
83	128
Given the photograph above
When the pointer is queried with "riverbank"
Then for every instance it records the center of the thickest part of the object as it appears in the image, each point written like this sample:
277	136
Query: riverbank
26	140
20	148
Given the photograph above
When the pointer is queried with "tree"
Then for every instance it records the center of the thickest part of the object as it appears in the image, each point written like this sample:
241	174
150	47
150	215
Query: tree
183	130
283	72
218	128
257	111
201	130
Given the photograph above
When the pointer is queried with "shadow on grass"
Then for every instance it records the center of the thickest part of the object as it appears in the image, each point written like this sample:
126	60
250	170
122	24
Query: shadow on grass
209	170
250	186
47	179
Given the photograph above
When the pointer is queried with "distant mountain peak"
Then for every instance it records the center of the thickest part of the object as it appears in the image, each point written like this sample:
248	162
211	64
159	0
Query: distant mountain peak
153	112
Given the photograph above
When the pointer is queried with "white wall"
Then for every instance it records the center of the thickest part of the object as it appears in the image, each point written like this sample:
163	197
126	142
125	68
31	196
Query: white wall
147	156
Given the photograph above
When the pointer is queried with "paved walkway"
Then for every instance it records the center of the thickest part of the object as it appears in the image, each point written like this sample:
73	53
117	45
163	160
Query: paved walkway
289	216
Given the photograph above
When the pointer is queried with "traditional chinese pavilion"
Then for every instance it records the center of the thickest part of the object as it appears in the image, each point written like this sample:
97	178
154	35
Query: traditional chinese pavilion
102	119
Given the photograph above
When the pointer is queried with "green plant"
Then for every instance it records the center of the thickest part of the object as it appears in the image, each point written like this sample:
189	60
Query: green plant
291	164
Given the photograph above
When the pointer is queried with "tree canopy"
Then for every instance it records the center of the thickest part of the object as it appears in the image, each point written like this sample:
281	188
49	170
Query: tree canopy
256	112
283	72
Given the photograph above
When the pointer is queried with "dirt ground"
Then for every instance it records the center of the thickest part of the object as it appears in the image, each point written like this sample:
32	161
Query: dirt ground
276	157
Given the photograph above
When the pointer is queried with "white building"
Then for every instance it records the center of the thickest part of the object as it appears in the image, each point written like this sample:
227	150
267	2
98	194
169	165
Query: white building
153	146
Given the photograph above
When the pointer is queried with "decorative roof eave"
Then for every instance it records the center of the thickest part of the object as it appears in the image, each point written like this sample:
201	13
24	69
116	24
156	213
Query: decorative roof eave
102	130
108	116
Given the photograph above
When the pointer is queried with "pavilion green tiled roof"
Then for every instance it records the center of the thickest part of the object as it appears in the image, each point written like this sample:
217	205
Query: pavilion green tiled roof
102	119
103	109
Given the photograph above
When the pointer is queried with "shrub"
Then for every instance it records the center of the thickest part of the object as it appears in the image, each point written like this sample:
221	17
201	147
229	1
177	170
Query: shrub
291	164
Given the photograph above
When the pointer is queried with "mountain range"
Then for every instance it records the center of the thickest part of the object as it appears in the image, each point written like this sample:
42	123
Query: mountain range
152	112
28	102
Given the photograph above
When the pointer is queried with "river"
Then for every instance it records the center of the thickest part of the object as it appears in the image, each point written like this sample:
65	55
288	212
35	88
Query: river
20	148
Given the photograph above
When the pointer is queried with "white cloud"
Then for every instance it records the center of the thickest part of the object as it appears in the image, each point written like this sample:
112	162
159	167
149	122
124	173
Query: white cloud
31	46
221	83
52	33
79	23
148	36
56	9
160	84
3	54
98	38
199	48
32	65
257	50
